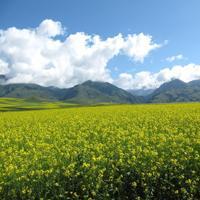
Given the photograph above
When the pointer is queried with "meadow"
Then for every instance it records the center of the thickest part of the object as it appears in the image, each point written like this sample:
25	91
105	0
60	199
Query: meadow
106	152
19	104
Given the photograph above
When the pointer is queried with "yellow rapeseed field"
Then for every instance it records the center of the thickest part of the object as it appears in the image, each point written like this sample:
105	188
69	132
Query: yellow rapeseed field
105	152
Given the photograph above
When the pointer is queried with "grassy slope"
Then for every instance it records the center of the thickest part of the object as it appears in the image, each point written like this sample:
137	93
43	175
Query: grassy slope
15	104
18	104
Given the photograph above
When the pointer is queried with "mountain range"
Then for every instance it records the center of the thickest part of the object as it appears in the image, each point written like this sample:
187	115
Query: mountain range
176	91
93	92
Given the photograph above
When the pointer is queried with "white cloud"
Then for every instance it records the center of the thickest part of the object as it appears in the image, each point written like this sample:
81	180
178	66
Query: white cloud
148	80
3	67
139	46
125	81
50	28
144	79
37	56
173	58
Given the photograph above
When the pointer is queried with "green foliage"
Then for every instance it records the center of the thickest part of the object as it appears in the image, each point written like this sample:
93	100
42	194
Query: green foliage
112	152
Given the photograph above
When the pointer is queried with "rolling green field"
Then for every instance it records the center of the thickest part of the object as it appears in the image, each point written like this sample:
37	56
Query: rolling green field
107	152
17	104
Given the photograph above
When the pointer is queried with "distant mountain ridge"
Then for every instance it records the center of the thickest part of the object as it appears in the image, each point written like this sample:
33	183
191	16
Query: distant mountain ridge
22	90
93	92
99	92
141	92
89	92
176	91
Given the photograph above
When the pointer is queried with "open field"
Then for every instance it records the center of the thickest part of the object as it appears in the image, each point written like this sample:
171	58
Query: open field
17	104
107	152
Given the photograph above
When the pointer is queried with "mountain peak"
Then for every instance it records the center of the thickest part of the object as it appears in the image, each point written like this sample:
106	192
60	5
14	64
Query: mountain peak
92	83
195	83
92	92
173	84
97	91
176	91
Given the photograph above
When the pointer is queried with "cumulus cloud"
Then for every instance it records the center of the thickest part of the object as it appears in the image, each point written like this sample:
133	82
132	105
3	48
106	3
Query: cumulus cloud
139	46
37	55
173	58
50	28
3	67
150	80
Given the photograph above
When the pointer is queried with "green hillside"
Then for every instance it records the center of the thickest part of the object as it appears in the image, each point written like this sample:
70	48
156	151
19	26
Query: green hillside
17	104
88	92
176	91
97	92
93	92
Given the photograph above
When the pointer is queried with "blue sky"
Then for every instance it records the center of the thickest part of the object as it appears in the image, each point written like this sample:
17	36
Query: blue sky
174	21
